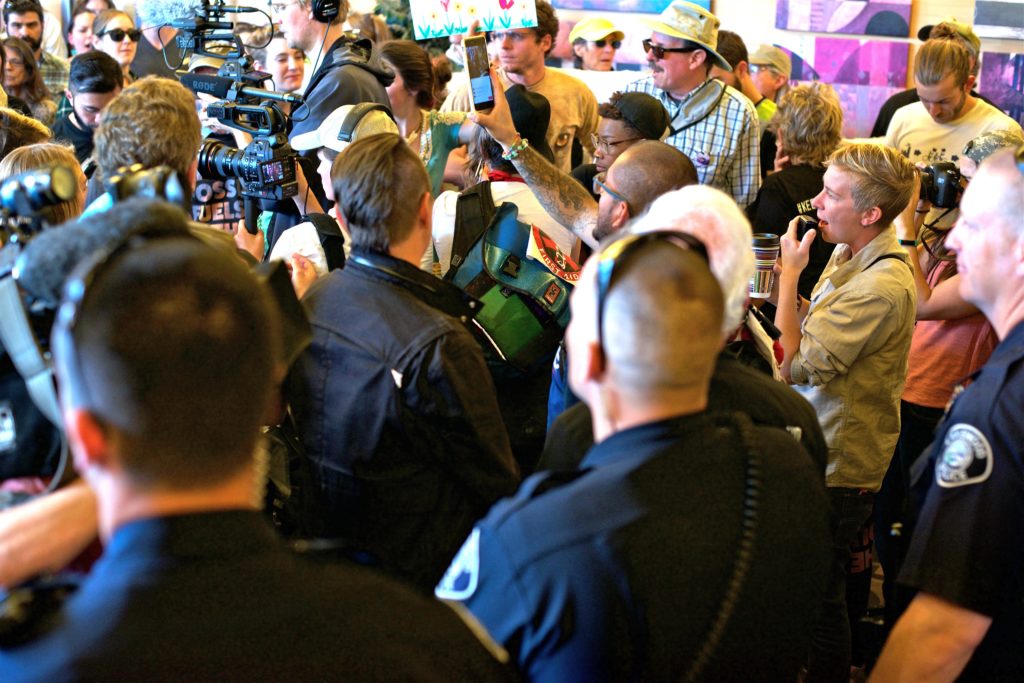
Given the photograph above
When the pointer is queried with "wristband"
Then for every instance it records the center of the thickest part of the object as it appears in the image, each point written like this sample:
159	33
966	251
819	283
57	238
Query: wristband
514	150
908	243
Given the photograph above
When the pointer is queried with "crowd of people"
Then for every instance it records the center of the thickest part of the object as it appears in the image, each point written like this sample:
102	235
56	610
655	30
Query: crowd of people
496	395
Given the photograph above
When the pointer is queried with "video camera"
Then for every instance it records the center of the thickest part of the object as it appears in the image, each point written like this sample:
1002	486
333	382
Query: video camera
265	168
941	184
24	201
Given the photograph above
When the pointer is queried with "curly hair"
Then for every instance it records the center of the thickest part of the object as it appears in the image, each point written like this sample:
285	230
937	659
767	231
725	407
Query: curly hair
152	122
810	119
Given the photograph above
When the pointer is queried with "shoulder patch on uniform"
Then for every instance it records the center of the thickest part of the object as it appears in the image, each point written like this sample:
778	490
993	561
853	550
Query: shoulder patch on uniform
459	582
966	457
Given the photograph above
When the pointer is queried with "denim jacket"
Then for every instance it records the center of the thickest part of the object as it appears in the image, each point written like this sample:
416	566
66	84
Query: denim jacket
398	415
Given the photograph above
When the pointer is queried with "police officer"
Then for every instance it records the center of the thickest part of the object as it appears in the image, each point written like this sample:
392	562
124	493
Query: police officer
966	555
166	352
637	565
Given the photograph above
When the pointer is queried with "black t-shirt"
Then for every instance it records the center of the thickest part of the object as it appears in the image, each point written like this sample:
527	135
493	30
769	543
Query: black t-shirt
149	61
784	196
66	131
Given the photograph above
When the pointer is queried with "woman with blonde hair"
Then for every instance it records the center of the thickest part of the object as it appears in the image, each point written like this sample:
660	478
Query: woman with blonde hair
45	156
810	124
114	33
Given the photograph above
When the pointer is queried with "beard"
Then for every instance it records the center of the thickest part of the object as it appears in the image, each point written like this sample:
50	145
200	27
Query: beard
34	43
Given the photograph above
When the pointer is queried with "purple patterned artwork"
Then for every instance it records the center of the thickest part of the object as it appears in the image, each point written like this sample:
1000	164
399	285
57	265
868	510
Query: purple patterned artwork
859	17
1002	81
864	73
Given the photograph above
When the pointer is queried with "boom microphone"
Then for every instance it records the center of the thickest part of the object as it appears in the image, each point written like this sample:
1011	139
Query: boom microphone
220	87
166	12
49	258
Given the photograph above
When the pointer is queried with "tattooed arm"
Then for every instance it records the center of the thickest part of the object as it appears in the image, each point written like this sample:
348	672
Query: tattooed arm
560	194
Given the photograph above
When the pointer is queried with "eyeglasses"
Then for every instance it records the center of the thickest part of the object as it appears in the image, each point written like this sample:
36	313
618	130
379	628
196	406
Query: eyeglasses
119	34
614	255
601	187
279	7
616	44
659	52
606	145
514	36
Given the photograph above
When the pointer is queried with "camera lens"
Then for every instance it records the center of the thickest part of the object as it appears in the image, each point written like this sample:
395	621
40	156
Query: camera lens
33	191
217	160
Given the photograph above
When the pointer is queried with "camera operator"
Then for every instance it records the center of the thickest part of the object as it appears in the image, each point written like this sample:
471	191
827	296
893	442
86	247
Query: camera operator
947	117
951	340
346	70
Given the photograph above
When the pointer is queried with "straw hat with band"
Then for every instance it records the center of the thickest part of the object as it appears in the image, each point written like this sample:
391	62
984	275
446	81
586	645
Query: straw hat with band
691	23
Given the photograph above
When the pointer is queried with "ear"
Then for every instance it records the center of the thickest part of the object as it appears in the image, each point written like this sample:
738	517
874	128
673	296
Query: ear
67	94
89	441
546	42
698	59
969	83
594	364
870	216
425	213
578	50
742	69
620	215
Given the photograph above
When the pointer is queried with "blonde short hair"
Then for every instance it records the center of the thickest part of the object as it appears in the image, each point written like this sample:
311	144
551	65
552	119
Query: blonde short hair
46	155
152	122
882	177
811	120
937	58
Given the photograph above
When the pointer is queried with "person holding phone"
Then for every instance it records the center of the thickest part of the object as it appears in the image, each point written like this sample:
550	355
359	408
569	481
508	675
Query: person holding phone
520	54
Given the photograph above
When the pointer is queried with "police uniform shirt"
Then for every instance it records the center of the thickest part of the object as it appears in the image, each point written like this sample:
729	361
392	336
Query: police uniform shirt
968	547
615	571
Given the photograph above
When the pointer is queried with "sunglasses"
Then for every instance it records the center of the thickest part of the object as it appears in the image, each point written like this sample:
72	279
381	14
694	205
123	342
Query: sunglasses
118	34
614	255
659	52
616	44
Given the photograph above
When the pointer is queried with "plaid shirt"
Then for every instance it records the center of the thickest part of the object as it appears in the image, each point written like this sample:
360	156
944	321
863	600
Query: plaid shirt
723	145
54	71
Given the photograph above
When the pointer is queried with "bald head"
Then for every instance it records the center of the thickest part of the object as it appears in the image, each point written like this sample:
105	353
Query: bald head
662	321
648	170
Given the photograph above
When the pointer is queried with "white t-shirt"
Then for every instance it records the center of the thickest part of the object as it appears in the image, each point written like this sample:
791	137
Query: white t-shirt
913	132
530	211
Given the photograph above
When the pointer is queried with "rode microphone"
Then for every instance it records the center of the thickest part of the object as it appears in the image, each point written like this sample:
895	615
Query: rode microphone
229	89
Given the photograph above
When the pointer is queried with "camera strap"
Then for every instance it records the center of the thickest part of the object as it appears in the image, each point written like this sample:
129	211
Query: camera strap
16	336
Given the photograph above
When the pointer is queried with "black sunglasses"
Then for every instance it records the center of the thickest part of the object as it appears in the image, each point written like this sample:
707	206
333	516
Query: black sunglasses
117	34
659	52
616	44
612	257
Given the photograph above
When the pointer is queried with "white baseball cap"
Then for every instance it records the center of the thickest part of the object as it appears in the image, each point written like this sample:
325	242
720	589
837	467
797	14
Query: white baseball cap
345	125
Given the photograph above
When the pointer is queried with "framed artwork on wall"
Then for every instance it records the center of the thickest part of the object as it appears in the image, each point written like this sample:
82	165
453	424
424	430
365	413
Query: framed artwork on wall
1003	19
638	6
858	17
1002	81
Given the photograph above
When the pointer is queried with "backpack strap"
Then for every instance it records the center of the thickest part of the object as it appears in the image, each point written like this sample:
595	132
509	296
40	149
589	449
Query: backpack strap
898	257
474	211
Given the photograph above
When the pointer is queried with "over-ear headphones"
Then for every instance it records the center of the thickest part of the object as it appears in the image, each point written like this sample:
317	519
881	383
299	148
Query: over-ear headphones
326	11
355	115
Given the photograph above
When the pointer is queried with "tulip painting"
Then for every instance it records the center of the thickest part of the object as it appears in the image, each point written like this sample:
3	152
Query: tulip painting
439	18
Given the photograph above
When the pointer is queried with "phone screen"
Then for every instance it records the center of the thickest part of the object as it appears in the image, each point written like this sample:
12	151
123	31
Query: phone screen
479	68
